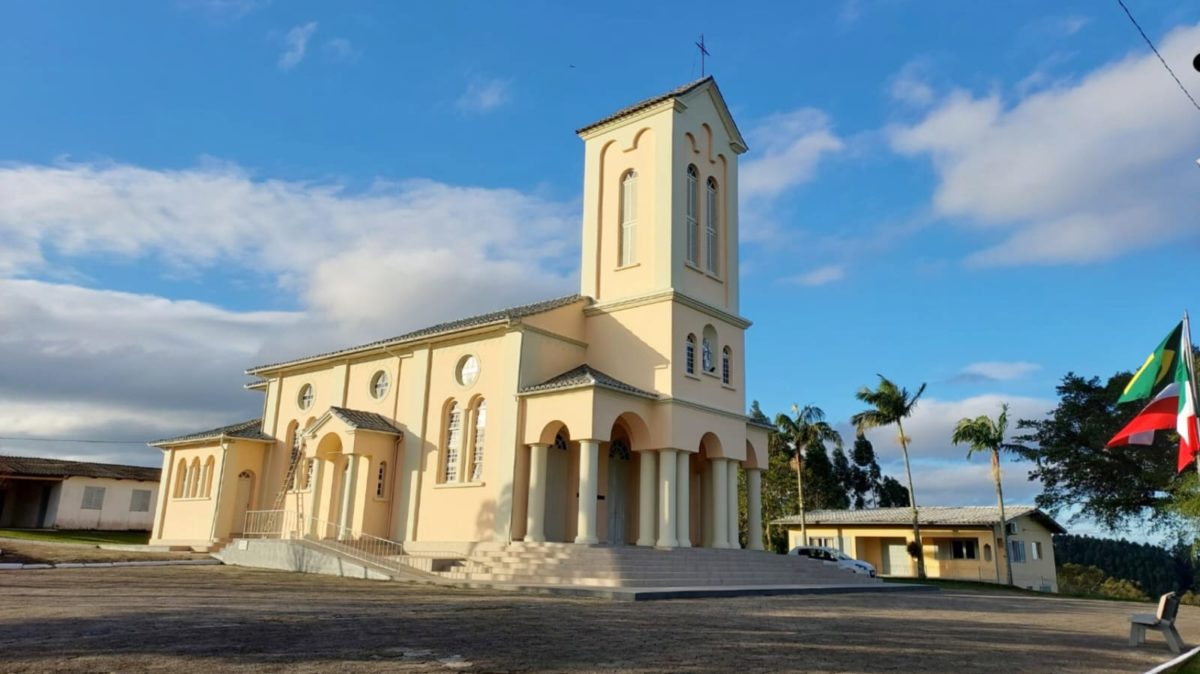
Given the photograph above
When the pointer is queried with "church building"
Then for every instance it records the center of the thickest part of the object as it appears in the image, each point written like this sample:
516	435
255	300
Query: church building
613	416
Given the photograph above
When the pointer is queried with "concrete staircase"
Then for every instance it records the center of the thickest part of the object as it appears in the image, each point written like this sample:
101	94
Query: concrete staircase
565	564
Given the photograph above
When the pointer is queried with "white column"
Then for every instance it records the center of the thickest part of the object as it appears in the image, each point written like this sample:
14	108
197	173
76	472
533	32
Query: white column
351	479
535	516
720	520
589	471
754	508
667	493
646	501
731	505
316	518
683	500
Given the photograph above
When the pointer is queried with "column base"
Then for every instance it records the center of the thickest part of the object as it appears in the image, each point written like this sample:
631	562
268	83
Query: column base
721	546
685	544
645	543
534	539
667	544
583	540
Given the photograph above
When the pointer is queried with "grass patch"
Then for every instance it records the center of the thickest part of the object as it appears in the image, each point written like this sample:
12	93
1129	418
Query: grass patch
972	585
71	536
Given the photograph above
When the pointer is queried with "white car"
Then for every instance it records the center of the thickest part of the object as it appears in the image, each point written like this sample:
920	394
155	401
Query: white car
838	557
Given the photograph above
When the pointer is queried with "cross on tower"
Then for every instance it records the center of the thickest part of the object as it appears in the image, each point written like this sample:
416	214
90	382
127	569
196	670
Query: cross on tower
703	53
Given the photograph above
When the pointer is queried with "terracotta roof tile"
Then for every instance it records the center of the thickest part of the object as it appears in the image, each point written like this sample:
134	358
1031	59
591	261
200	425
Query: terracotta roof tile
366	421
585	375
246	430
928	515
18	466
643	104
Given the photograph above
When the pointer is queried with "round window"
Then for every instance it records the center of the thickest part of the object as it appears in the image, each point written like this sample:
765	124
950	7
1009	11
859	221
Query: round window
305	399
467	371
379	385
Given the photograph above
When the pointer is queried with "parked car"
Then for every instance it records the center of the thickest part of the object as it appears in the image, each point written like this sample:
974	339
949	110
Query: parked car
838	557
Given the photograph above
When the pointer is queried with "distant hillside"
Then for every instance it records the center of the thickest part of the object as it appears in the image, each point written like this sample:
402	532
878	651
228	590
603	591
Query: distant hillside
1155	569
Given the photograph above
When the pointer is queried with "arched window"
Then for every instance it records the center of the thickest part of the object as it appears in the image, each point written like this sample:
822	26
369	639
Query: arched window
689	354
309	466
194	479
479	424
453	443
628	218
726	356
711	223
693	220
381	481
180	479
209	468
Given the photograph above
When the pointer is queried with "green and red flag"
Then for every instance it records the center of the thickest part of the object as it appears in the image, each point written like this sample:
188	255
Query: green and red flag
1156	368
1174	406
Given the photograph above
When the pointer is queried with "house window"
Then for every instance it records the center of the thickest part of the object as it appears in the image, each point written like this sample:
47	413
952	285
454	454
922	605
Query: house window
305	399
1010	528
726	355
966	548
381	481
477	441
1035	549
693	223
689	354
821	541
139	502
93	498
710	222
628	218
379	385
1017	551
453	442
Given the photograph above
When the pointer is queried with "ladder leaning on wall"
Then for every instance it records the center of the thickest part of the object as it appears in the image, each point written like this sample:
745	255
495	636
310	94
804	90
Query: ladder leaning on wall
289	482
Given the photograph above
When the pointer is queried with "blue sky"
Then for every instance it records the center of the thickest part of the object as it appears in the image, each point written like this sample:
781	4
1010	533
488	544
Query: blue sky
981	196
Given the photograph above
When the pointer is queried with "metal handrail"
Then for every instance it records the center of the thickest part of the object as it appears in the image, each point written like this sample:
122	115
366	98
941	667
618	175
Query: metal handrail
268	523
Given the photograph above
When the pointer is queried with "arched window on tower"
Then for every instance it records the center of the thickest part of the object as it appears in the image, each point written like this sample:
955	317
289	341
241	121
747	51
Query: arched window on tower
193	489
628	218
450	452
479	433
726	356
693	220
181	479
711	222
689	354
210	466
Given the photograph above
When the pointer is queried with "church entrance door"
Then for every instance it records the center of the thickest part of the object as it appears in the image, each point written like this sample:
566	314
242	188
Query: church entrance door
241	503
618	476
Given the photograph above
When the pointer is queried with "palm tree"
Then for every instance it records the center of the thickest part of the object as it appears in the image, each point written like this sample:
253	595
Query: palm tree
807	429
891	404
985	435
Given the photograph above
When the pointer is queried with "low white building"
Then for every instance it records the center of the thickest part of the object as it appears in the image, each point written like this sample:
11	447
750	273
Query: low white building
37	493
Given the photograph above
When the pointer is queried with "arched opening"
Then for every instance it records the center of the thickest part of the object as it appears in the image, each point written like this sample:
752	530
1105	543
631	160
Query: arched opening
329	482
561	492
702	495
617	514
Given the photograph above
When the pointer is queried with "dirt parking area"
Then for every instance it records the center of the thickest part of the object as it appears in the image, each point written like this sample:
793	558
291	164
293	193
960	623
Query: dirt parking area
219	619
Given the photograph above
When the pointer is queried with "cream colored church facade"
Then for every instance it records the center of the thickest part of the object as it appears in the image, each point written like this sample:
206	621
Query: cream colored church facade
615	416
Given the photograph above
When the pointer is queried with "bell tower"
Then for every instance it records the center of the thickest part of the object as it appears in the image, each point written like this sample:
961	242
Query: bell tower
660	200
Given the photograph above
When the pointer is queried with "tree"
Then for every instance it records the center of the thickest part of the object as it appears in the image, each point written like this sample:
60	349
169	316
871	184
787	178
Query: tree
891	404
866	475
986	435
892	494
778	485
1113	487
807	429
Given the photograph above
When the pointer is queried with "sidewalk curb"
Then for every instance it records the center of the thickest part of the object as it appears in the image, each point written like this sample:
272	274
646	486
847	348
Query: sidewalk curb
108	565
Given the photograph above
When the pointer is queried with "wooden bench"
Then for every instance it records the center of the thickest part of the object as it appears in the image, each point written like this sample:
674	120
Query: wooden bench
1162	620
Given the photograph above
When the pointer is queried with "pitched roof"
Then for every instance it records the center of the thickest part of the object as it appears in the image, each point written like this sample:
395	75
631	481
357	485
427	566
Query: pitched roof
584	376
366	421
477	320
927	515
645	103
18	466
245	430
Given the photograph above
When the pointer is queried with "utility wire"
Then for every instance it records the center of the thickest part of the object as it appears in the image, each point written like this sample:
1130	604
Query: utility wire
94	442
1160	58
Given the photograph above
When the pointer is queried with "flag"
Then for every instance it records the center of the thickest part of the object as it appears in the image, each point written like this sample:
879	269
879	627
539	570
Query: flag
1162	413
1154	370
1185	423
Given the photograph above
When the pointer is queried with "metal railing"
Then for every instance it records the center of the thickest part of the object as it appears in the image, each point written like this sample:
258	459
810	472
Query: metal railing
269	524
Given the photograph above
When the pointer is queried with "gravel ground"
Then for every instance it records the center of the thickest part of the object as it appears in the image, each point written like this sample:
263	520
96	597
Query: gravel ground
218	619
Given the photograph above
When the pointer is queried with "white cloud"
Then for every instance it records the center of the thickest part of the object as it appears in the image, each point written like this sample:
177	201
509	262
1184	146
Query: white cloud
910	85
968	483
484	95
788	147
295	44
1064	174
342	50
988	371
819	276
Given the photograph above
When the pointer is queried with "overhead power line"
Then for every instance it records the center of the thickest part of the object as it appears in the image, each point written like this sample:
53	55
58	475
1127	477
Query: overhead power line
1160	57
